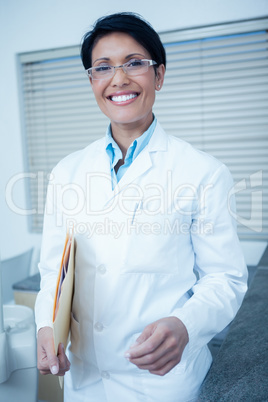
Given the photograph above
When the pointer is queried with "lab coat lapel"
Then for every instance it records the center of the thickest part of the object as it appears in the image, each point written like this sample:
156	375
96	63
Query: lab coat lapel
143	162
103	189
139	166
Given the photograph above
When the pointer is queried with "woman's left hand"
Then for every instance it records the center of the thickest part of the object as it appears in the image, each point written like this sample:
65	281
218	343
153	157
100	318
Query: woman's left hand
160	346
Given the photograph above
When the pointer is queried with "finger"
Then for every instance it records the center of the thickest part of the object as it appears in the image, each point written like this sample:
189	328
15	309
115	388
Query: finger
147	347
158	358
165	369
47	358
52	359
149	361
152	363
146	333
64	363
168	350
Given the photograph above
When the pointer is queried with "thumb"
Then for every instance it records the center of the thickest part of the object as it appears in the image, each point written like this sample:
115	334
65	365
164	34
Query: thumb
53	361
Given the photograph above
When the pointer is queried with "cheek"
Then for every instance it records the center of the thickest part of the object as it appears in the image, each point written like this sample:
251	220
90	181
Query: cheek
149	88
150	95
97	89
98	93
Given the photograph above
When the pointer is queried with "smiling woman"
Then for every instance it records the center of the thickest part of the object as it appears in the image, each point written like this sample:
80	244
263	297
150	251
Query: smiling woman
151	294
126	99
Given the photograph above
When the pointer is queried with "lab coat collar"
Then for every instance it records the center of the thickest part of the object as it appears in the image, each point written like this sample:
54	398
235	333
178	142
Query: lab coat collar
139	166
143	162
159	140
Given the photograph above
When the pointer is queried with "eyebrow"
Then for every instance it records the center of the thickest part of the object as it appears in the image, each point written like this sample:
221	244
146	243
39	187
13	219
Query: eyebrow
127	57
134	54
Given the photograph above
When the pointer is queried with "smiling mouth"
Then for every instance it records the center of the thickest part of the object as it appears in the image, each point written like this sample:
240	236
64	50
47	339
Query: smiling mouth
123	98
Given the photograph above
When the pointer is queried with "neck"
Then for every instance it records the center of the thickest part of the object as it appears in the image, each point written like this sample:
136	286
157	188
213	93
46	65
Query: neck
125	134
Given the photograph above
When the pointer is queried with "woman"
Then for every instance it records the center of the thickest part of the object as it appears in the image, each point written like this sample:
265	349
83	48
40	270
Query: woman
159	270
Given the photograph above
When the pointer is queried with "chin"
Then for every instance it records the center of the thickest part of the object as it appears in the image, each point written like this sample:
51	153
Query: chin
124	119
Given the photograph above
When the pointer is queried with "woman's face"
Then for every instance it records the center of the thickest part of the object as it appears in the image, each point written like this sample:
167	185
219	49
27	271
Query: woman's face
136	111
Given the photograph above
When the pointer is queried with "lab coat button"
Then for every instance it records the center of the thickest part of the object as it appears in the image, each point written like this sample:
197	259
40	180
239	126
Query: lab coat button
102	269
105	374
98	326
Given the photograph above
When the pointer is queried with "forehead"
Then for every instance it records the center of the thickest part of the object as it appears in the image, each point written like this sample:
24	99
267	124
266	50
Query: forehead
117	44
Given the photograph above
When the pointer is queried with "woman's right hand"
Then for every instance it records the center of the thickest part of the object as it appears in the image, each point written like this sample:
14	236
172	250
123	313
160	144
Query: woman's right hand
47	361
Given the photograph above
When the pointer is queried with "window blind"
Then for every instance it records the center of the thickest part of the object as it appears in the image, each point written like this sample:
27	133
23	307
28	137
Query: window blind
60	115
215	96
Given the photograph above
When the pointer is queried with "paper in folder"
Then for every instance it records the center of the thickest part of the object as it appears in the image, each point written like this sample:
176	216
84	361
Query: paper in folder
64	295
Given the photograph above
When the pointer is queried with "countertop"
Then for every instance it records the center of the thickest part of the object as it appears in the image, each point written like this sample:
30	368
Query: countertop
240	369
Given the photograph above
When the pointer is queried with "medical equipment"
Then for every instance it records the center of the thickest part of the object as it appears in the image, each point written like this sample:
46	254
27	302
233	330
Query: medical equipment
18	371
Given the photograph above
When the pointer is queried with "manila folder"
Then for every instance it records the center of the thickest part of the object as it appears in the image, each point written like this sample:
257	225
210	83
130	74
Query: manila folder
61	324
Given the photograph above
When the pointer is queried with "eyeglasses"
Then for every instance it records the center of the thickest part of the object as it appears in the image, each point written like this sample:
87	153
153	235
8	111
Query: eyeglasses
132	67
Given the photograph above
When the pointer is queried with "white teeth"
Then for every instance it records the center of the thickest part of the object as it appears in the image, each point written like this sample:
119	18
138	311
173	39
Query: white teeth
123	98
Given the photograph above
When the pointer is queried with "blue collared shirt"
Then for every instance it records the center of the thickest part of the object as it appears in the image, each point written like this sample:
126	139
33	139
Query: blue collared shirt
115	153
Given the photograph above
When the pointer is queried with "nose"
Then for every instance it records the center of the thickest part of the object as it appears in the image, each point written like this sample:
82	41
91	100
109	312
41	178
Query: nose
120	78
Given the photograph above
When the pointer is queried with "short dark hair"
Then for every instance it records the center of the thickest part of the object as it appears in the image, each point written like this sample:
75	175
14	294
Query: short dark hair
130	23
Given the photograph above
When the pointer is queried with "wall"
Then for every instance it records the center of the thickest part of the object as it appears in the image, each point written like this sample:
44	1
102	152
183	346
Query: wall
29	25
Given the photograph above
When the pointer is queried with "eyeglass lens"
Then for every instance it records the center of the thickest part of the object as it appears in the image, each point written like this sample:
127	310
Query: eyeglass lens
133	67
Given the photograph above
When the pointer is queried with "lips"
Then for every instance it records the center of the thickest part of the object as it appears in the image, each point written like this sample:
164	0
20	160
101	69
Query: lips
123	97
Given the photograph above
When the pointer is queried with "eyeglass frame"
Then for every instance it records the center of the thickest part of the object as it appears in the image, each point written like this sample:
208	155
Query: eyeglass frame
88	71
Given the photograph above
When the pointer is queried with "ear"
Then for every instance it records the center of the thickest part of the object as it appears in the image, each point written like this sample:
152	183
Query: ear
160	74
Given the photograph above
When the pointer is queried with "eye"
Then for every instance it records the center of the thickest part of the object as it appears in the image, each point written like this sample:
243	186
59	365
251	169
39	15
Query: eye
101	69
135	63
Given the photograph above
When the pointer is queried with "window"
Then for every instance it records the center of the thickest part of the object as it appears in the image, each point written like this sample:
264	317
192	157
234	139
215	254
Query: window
215	96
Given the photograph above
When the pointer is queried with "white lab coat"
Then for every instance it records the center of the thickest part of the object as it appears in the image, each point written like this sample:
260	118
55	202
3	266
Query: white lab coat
140	249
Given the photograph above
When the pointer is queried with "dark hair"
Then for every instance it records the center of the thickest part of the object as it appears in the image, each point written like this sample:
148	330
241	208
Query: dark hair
129	23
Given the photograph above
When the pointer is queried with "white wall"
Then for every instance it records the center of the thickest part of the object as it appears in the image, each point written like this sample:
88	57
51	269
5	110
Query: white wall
29	25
